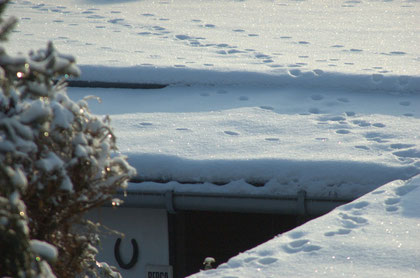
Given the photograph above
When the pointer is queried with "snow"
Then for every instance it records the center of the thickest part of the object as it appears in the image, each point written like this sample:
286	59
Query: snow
376	235
264	97
50	162
372	37
44	249
37	110
327	142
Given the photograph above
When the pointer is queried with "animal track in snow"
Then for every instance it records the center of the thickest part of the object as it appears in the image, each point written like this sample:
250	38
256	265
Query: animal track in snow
391	204
401	146
405	189
410	153
267	261
361	123
377	137
352	222
182	37
318	72
295	72
272	139
380	125
349	222
300	245
146	124
265	253
342	131
209	26
250	259
338	232
392	201
266	107
331	118
232	133
276	66
395	53
357	205
296	235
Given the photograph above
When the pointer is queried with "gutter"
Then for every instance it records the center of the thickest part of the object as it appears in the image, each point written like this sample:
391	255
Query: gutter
222	202
117	85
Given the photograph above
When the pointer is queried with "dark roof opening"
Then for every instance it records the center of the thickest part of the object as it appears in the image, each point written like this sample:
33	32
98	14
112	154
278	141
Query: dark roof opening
195	235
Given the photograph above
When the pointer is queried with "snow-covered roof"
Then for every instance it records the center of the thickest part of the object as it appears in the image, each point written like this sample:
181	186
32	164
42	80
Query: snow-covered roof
265	140
263	97
363	37
374	236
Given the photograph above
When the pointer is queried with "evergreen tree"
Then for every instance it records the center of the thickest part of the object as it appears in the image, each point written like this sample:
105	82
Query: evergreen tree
55	165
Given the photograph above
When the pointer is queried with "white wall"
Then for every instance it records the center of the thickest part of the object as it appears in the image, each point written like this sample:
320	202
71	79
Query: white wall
148	226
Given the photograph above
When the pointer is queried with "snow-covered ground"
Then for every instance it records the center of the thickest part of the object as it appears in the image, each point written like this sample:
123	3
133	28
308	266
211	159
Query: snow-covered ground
288	95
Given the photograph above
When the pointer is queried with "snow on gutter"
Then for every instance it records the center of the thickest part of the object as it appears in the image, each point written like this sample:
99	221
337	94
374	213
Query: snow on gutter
222	202
296	78
118	85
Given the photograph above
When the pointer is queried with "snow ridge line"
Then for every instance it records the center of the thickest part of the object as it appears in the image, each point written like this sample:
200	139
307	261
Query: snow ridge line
295	78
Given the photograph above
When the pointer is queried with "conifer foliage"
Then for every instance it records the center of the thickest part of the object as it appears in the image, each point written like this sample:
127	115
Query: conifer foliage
55	165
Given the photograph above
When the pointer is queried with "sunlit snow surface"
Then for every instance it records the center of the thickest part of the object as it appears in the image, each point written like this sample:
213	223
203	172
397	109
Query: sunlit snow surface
376	37
330	143
288	95
375	236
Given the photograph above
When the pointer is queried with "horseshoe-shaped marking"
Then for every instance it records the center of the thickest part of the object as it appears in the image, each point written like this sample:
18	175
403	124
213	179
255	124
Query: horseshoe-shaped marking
134	258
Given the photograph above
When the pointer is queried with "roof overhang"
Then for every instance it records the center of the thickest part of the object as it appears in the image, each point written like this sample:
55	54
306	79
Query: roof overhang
174	201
